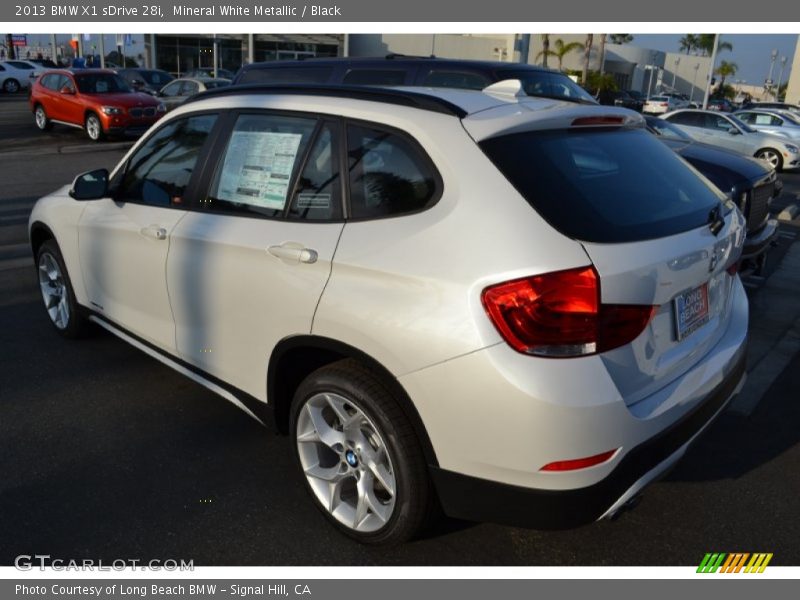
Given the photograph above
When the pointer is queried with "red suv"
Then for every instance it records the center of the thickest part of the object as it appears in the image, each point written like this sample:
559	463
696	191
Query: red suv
98	101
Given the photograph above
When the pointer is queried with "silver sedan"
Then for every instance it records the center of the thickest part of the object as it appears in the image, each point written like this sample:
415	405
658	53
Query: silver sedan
777	122
177	91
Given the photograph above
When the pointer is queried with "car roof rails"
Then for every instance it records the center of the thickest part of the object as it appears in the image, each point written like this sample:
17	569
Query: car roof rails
375	94
397	55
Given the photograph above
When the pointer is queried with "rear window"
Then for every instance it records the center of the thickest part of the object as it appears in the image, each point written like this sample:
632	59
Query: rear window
547	84
604	185
659	99
286	75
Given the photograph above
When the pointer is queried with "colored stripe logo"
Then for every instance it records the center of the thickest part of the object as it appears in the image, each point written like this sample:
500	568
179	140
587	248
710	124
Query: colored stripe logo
736	562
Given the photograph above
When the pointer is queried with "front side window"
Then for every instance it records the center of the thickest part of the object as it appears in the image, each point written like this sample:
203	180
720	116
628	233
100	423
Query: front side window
258	164
285	75
388	174
159	172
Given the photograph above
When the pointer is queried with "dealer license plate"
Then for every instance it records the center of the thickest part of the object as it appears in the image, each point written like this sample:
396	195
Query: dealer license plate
691	311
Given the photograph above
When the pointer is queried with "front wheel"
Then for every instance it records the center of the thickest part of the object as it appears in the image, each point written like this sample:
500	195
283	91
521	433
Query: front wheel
57	293
361	460
772	156
94	128
42	122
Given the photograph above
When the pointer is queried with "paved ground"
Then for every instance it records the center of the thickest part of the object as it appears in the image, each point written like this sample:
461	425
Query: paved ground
105	453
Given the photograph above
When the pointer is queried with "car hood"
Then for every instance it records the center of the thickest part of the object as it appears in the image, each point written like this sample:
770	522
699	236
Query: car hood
125	99
724	168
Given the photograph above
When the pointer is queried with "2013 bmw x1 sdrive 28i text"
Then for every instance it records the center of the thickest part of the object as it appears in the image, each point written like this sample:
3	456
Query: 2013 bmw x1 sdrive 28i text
512	309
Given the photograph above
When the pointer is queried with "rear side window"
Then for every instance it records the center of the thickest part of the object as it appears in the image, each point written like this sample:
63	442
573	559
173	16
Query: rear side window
375	77
456	79
688	118
389	174
317	193
604	185
287	75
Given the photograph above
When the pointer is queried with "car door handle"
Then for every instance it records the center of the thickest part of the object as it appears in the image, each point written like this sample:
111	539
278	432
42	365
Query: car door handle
154	231
293	253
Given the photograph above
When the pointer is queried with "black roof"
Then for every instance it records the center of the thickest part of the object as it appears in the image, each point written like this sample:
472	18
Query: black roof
358	92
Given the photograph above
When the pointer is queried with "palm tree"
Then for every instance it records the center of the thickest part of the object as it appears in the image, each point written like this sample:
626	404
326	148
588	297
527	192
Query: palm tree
545	49
561	50
725	69
705	43
689	43
587	55
621	38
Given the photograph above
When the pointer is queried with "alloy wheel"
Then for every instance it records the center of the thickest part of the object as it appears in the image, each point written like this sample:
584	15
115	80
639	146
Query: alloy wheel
346	462
11	86
41	118
93	127
54	290
771	156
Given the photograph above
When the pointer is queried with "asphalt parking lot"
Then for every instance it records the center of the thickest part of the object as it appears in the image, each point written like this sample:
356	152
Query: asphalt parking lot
105	453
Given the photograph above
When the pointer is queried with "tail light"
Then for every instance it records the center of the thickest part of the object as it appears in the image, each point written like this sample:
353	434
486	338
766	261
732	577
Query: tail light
560	314
579	463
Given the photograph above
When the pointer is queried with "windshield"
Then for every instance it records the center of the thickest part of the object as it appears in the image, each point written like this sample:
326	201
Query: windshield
101	83
548	84
741	124
666	129
158	78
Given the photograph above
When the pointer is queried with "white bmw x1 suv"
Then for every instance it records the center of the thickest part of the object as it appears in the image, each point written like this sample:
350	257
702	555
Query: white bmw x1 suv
517	309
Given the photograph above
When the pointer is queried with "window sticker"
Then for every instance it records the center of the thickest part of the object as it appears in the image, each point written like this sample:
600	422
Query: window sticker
258	167
318	201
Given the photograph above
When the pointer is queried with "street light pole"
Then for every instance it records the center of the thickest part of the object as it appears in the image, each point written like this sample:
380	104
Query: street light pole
711	71
780	79
675	72
773	55
694	79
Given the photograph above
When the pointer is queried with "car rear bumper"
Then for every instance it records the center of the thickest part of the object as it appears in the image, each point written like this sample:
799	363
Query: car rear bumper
476	499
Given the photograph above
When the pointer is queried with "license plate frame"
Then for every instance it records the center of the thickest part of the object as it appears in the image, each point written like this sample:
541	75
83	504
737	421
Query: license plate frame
691	311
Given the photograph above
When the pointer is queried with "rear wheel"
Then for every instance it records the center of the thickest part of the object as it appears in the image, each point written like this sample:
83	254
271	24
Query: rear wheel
94	128
11	86
42	122
772	156
361	460
57	293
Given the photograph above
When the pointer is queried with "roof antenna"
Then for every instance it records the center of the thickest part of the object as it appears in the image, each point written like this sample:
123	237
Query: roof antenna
507	88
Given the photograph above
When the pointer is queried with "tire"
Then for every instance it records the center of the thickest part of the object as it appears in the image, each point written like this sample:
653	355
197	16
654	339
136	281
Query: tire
40	117
11	86
93	127
368	476
772	156
57	293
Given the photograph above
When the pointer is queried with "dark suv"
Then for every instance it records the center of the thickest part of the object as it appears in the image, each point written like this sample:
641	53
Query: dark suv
397	70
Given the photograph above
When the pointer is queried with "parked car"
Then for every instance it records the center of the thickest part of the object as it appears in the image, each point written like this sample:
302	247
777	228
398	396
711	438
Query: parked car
176	92
776	122
619	98
209	72
16	75
749	182
720	105
771	105
313	265
727	131
45	63
397	70
95	100
658	105
145	80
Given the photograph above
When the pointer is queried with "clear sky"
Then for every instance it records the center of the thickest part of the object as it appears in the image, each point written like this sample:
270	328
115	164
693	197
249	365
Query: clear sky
751	52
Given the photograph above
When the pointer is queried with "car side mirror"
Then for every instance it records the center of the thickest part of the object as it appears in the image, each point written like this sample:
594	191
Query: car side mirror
68	90
91	185
734	131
